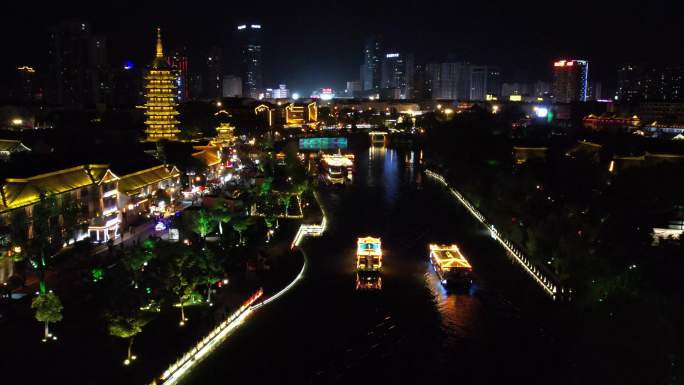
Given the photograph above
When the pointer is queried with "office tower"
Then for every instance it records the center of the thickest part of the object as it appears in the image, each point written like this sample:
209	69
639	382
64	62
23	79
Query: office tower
421	88
353	88
644	83
371	76
25	88
570	81
249	36
594	91
484	83
128	83
77	75
281	92
397	73
508	89
232	86
161	96
179	62
214	74
449	80
196	85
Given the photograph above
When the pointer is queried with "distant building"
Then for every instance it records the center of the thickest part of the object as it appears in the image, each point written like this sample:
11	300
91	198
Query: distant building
25	88
78	65
196	85
250	46
449	80
421	88
10	147
637	83
179	61
484	83
281	92
397	73
161	98
127	86
371	72
353	88
232	86
570	79
214	78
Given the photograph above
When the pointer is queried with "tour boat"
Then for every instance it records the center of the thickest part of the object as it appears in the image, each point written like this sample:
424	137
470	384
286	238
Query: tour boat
337	168
451	266
368	254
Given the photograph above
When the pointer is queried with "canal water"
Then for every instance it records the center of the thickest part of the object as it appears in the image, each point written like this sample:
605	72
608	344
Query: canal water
411	330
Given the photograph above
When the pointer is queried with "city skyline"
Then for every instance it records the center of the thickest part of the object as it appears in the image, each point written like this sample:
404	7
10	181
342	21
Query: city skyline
522	40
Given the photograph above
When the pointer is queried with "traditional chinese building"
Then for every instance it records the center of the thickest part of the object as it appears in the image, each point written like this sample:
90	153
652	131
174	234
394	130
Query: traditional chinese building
160	98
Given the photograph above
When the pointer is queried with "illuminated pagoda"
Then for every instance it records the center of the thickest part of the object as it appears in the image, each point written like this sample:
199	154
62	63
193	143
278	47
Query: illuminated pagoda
160	98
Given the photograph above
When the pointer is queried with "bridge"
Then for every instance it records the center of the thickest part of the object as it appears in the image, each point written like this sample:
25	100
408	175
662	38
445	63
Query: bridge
378	137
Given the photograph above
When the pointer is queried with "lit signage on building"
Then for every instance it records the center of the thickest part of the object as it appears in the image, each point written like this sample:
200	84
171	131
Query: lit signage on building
255	26
515	98
241	27
392	55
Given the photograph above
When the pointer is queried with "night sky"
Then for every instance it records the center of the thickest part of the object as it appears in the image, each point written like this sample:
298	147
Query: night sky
309	45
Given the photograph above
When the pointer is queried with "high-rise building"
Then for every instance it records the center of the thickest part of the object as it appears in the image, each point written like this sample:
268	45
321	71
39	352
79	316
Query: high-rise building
24	88
78	66
371	73
127	86
637	83
196	85
179	62
570	79
449	80
281	92
484	83
397	73
250	46
214	75
422	86
161	96
232	86
353	88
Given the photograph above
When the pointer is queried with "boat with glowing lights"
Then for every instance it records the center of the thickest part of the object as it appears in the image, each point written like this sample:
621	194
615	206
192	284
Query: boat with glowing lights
451	265
337	168
368	255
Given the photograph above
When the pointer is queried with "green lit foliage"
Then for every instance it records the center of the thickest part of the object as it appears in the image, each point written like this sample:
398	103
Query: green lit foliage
127	327
97	274
48	309
200	222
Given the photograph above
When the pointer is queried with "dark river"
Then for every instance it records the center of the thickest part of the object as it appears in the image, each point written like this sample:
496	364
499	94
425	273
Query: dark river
324	331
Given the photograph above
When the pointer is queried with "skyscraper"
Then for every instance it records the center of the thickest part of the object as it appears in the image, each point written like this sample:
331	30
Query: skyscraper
371	75
250	47
78	64
449	80
179	62
160	106
570	81
214	77
484	80
232	86
397	73
641	83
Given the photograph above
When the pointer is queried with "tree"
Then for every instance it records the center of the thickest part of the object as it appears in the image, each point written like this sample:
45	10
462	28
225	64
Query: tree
46	236
48	309
209	268
71	210
285	200
179	274
127	327
220	214
240	227
201	223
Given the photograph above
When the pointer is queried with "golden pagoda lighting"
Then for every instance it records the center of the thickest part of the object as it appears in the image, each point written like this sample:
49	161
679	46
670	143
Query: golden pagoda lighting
160	96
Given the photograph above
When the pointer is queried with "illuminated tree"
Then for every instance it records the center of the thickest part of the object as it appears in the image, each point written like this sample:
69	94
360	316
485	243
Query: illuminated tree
241	226
127	327
48	309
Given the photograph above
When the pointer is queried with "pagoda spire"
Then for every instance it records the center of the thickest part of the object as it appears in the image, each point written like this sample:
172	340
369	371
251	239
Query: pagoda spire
160	50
